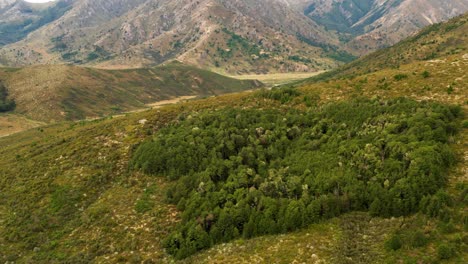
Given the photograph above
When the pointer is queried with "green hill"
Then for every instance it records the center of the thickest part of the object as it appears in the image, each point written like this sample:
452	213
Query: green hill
55	93
363	169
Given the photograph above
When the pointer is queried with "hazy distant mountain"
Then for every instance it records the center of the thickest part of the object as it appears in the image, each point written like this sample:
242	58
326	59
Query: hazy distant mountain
235	36
367	25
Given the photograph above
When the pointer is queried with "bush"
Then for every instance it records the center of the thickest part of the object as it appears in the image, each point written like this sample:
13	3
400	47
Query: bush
465	124
394	243
400	76
426	74
445	251
418	239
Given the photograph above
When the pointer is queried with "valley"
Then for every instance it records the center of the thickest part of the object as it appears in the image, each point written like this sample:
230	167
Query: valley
275	79
121	142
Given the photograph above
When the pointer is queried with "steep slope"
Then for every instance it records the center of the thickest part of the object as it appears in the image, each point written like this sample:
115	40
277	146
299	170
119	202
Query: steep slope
365	26
19	18
431	45
232	36
54	93
68	196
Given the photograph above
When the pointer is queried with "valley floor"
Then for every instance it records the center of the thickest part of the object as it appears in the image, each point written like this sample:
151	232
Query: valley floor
274	79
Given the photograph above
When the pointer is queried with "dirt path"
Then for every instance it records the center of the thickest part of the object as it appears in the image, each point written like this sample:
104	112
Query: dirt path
170	101
274	79
12	123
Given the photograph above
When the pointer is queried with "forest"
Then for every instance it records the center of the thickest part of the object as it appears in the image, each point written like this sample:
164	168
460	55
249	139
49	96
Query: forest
241	173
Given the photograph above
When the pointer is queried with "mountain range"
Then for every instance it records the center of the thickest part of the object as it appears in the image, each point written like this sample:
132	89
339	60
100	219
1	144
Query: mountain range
237	36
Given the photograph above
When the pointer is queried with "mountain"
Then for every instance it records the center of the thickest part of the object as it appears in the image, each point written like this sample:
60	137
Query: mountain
233	36
19	18
368	168
367	25
63	92
430	44
237	37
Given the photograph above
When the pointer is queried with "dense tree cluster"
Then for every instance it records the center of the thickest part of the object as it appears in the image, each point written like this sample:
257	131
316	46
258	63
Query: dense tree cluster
243	173
5	103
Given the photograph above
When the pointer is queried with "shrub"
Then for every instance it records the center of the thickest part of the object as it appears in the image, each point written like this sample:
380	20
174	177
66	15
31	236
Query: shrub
445	251
465	124
394	243
400	76
418	239
450	89
426	74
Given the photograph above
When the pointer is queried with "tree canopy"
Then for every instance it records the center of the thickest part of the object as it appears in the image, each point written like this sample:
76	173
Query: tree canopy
5	103
249	172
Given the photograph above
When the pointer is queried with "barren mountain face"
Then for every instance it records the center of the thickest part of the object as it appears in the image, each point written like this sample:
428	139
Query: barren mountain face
367	25
5	3
257	36
235	36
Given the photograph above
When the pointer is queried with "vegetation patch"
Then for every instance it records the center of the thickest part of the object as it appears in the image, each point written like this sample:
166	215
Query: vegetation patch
244	173
5	103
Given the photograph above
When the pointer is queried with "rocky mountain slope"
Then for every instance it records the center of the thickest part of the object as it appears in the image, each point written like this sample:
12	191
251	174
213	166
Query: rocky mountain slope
237	37
431	45
19	18
368	25
232	36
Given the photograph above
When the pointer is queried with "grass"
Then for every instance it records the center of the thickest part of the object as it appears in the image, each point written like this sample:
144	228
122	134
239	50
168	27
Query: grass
118	219
114	215
56	93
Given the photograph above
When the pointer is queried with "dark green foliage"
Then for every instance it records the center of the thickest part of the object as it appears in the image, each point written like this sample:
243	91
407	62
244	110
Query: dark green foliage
237	43
64	200
465	124
342	56
426	74
400	76
450	89
418	239
5	103
445	251
394	243
253	172
436	205
283	95
145	203
297	58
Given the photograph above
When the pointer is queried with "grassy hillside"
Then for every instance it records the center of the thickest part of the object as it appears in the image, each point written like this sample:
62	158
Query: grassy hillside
55	93
67	193
74	192
434	42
